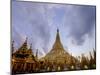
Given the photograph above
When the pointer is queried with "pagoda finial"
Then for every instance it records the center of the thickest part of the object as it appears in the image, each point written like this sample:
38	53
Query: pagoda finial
26	39
57	30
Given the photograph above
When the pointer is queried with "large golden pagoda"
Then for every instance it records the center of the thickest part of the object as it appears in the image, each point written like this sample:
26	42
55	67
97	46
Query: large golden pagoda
58	54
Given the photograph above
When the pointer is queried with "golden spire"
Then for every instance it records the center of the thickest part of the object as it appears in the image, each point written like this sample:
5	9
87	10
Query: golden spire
57	45
37	53
24	45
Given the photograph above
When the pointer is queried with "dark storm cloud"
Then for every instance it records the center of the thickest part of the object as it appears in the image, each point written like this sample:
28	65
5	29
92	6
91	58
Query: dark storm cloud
81	22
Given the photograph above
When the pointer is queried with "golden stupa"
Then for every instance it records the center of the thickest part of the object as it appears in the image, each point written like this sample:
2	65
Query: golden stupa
58	54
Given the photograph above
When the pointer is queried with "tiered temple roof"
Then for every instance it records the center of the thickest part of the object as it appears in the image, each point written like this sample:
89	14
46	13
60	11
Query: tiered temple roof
24	53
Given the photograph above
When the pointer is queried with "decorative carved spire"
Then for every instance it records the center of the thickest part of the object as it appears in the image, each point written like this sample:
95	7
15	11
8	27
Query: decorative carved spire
26	41
37	53
24	45
91	55
12	46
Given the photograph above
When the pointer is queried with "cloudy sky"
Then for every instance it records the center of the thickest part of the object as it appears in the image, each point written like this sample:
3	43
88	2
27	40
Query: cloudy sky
39	22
